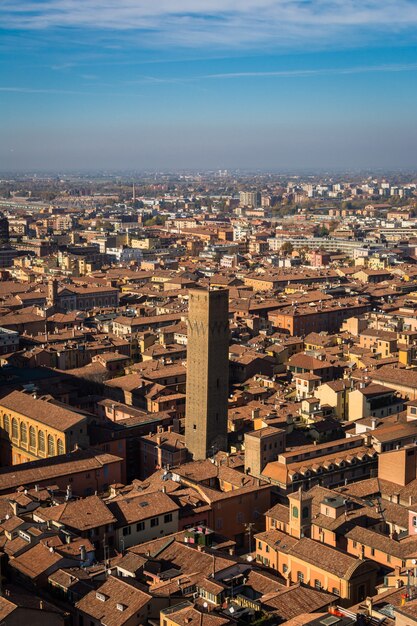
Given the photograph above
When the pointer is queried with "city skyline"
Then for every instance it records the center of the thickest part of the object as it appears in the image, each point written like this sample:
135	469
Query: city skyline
252	85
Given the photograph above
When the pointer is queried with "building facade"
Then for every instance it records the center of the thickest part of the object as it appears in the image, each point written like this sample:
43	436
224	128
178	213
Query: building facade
33	428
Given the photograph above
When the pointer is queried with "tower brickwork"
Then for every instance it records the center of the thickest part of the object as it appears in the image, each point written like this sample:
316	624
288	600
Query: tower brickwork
207	372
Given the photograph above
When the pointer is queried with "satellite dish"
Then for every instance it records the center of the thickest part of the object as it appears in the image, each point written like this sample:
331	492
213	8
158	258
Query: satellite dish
231	610
414	561
205	605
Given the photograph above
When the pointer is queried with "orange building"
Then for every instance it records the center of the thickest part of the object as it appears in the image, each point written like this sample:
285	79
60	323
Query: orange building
325	316
317	565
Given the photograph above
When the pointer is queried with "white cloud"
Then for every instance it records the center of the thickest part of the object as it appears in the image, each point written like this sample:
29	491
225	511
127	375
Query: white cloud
359	69
228	23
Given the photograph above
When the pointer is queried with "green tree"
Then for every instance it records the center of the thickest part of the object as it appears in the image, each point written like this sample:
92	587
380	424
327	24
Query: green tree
287	248
158	220
320	231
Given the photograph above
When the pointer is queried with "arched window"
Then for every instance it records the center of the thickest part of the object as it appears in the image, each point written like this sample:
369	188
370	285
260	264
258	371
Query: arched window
23	432
306	512
32	437
51	446
60	446
15	429
41	441
295	512
6	421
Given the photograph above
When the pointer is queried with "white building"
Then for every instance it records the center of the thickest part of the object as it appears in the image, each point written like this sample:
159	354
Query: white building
125	255
9	341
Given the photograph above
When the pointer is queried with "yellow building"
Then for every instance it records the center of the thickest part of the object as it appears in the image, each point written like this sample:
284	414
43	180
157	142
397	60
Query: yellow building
335	393
33	428
147	243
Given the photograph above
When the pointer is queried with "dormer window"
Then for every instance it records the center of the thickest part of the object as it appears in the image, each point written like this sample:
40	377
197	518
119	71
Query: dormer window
121	607
101	596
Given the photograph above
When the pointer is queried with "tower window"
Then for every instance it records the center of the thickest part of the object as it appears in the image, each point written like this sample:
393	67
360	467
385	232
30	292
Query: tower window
194	426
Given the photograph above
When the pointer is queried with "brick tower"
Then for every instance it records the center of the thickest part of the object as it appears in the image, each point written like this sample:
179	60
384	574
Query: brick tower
207	372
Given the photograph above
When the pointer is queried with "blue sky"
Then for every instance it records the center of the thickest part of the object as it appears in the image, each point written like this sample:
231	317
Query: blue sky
89	84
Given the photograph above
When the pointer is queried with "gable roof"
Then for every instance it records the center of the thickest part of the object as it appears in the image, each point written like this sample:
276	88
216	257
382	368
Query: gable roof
82	514
121	600
41	411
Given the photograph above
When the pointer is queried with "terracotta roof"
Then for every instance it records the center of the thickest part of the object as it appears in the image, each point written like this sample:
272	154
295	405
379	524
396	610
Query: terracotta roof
267	431
279	512
40	410
392	432
49	469
332	560
296	599
395	376
6	608
375	390
304	618
184	557
186	615
121	601
401	549
131	509
132	562
130	382
337	385
277	540
36	561
360	489
81	515
308	362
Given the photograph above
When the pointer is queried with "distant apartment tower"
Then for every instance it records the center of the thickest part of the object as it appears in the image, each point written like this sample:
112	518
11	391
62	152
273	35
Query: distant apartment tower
207	372
4	229
250	198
